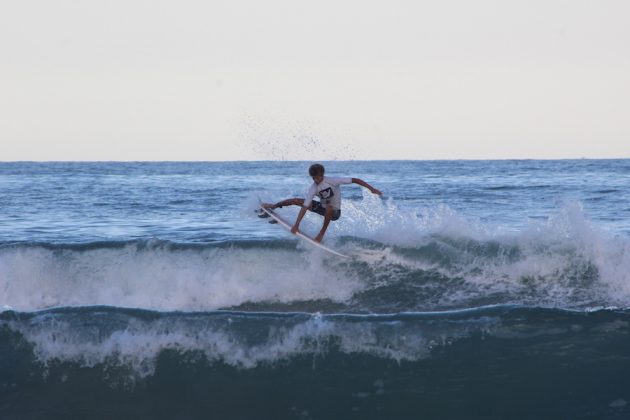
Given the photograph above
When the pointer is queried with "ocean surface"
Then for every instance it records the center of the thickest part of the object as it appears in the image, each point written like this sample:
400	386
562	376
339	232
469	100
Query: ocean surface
474	290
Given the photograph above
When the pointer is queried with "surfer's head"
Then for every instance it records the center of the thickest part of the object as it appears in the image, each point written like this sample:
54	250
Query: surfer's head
316	171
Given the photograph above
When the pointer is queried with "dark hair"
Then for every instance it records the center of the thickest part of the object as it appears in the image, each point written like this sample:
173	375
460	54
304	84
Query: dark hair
316	169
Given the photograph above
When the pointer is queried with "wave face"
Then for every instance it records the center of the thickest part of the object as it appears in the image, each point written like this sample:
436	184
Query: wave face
484	290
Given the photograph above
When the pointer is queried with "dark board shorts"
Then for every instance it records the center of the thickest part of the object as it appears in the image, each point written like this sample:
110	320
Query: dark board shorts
318	208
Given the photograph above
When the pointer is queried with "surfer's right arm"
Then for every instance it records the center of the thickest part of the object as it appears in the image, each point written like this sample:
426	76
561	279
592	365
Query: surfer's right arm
305	204
296	225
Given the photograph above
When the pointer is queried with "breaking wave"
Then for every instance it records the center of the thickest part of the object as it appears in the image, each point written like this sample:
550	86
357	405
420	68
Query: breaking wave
436	261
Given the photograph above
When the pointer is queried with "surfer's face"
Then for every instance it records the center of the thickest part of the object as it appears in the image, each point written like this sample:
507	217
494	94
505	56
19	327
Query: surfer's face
318	178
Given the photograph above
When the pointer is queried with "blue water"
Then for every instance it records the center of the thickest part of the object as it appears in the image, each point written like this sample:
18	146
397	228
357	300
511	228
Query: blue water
474	289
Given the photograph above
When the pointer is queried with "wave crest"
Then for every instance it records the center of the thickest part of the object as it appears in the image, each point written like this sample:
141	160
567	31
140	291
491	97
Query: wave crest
404	263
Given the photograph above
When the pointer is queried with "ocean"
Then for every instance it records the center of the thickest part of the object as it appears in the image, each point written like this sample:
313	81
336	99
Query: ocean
473	290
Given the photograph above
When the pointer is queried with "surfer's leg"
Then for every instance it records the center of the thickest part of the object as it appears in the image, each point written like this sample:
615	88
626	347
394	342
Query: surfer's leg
289	202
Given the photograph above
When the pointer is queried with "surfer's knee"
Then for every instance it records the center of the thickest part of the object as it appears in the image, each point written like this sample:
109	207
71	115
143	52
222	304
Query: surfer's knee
332	214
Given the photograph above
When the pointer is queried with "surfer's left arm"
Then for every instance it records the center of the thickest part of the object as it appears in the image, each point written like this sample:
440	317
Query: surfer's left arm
366	185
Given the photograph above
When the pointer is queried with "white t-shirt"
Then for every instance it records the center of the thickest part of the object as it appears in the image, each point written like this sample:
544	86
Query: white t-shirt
328	192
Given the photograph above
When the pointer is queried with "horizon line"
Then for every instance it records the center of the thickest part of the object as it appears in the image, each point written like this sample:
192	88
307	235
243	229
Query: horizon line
305	160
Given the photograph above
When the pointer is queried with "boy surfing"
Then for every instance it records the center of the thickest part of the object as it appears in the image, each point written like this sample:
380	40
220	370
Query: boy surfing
329	192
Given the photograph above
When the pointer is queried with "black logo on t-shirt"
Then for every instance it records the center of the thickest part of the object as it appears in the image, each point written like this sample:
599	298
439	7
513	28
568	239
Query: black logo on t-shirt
326	194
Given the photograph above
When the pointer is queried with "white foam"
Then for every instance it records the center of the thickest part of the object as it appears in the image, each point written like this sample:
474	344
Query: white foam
163	278
138	343
550	261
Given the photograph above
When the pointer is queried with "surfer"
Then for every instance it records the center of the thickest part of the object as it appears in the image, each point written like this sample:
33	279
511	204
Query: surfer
329	192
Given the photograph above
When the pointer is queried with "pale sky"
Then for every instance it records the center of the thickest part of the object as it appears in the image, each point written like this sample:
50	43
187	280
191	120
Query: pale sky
314	80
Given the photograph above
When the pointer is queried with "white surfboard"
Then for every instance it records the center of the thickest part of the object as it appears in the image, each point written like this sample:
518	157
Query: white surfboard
299	234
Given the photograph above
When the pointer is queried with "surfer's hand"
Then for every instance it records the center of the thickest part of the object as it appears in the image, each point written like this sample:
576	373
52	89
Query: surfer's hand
375	191
294	230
